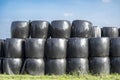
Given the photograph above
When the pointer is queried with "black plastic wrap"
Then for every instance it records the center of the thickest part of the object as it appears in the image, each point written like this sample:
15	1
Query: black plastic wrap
55	66
110	32
33	67
96	31
60	29
77	65
12	65
34	48
20	29
115	65
81	28
1	48
1	67
99	65
40	29
56	48
14	48
77	48
115	47
99	47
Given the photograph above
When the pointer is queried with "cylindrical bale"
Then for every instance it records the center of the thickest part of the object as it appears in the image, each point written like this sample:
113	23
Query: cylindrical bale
12	65
55	66
99	65
96	31
39	29
115	47
77	65
20	29
60	29
33	67
77	48
1	68
56	48
34	48
115	64
81	28
119	32
1	48
14	48
110	32
99	47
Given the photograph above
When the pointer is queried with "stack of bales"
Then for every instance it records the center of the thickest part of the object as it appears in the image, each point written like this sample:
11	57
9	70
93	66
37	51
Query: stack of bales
77	48
113	33
56	47
99	62
99	55
39	48
34	48
14	48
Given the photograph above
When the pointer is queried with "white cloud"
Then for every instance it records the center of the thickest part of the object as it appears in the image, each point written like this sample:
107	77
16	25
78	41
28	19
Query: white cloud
68	14
106	1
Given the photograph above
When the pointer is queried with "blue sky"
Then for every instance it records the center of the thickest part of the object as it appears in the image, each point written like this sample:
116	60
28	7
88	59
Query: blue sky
99	12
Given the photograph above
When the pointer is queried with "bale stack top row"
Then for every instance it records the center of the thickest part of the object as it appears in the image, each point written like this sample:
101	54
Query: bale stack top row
60	29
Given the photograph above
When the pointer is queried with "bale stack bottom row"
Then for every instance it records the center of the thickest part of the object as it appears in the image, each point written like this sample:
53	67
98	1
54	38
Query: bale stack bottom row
60	48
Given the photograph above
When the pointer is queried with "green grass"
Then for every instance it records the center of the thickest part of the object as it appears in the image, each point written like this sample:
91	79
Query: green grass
62	77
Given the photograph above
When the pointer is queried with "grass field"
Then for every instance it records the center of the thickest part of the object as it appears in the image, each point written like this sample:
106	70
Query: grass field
62	77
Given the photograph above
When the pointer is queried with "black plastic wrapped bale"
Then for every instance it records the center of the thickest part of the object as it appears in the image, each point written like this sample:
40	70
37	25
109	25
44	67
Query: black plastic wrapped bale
77	65
115	47
55	66
99	47
115	64
60	29
1	68
34	48
1	48
56	48
110	32
81	28
12	65
33	67
99	65
20	29
14	48
96	31
39	29
77	48
119	32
